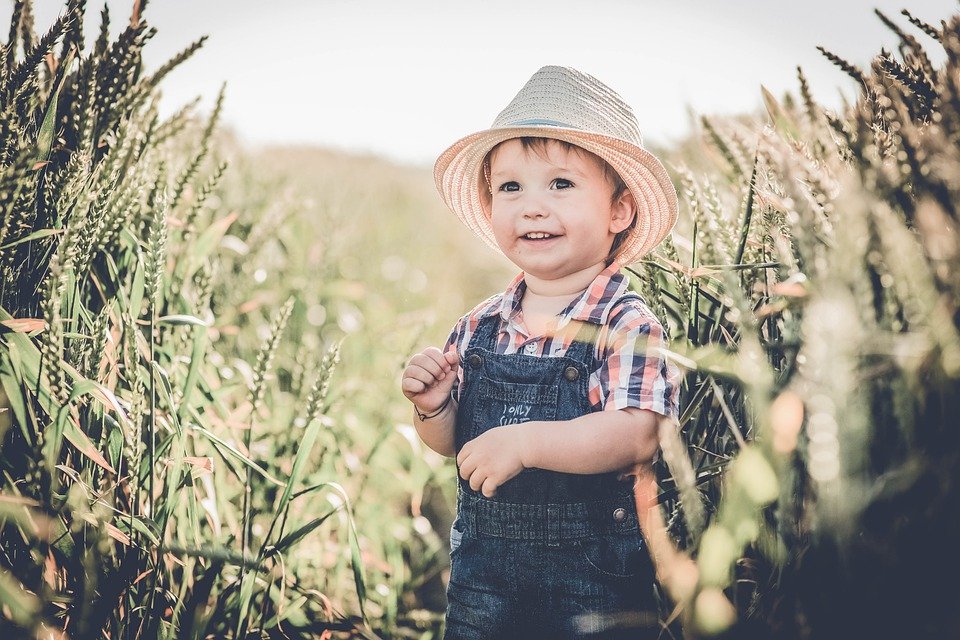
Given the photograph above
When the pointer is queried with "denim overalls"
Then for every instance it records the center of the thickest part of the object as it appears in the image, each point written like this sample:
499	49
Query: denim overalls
549	545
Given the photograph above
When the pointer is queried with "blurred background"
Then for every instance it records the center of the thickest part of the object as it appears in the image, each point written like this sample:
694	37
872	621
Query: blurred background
402	80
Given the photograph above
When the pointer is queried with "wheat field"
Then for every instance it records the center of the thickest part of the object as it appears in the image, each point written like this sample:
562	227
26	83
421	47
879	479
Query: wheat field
201	428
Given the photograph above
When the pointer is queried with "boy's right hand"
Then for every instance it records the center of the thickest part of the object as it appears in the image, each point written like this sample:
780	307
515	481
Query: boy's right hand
429	377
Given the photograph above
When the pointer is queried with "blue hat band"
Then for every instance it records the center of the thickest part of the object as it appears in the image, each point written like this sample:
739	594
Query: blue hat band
539	121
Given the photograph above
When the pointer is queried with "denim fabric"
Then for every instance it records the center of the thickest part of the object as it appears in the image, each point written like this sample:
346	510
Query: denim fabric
551	555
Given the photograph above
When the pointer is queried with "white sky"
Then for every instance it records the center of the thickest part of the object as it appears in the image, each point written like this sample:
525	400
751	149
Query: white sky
406	79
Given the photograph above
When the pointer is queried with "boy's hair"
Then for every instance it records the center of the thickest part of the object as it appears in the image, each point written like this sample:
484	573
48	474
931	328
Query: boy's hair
539	146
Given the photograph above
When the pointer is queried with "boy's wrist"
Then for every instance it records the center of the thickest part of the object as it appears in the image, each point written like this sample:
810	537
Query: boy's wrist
424	415
528	436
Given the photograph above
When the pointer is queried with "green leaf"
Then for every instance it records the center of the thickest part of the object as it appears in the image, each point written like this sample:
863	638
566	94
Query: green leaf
28	366
193	373
303	454
294	537
781	119
84	386
19	604
692	317
206	243
289	610
236	454
355	559
714	359
181	319
13	385
748	214
82	442
23	513
756	477
216	553
357	563
27	357
172	480
247	582
141	524
166	391
60	537
54	441
46	133
36	235
137	288
114	440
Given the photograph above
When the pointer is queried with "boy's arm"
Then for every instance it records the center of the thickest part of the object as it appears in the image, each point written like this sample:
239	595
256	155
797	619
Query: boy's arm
437	432
428	382
600	442
597	442
633	374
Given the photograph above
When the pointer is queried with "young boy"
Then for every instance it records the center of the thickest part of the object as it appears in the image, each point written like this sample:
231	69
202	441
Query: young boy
549	392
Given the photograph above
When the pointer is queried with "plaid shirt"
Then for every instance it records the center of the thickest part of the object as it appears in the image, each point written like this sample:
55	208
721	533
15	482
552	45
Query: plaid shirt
633	372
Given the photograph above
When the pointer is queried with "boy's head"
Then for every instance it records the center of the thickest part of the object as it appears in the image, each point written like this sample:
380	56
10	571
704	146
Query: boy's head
565	180
560	116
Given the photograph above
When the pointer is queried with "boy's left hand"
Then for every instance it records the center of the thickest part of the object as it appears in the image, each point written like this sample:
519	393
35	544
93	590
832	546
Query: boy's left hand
491	458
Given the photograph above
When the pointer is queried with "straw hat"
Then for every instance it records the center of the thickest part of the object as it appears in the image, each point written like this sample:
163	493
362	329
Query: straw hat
565	104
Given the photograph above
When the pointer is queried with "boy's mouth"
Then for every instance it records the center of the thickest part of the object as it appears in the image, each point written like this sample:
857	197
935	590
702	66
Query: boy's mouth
538	236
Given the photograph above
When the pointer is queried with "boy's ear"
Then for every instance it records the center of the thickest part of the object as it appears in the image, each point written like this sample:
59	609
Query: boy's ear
622	212
486	202
487	213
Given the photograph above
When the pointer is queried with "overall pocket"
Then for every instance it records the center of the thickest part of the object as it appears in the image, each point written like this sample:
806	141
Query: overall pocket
455	539
456	536
617	556
503	403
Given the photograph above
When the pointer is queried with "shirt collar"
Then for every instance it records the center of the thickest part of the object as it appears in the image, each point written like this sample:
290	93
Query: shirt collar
593	305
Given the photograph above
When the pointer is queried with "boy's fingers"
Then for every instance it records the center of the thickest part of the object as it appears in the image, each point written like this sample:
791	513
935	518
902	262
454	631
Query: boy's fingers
437	356
432	352
476	481
412	386
452	358
426	363
464	464
420	374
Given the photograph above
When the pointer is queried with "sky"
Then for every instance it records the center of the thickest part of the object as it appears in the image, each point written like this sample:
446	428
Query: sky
405	79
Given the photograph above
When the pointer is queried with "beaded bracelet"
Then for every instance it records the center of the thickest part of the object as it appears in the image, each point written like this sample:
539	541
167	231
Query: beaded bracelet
424	416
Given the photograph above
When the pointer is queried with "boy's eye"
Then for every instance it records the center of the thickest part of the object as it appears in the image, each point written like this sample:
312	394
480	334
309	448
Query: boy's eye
510	186
562	183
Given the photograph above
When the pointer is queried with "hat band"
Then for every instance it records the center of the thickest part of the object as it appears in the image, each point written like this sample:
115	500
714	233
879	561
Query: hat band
537	122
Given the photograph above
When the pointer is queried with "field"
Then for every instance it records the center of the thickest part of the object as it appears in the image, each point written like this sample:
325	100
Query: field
202	433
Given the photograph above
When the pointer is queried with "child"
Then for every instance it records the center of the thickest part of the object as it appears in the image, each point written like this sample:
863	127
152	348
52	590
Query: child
547	392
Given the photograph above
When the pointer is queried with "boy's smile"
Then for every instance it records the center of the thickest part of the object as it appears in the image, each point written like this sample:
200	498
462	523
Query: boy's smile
552	216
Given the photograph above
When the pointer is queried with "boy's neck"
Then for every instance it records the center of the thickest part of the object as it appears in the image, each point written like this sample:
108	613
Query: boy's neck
566	287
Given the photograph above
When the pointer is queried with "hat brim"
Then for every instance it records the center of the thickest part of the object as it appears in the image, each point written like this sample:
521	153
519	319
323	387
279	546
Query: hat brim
457	174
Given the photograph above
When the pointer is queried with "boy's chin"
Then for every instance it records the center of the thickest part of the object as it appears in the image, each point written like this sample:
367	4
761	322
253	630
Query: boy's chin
561	271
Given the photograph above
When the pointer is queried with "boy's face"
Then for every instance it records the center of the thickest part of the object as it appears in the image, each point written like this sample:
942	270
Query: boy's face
552	216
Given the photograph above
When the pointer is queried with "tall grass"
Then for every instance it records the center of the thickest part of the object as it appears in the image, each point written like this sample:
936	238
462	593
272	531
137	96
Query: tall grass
196	401
815	306
138	499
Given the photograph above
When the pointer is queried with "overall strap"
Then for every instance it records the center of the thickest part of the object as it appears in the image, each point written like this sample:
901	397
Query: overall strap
587	335
583	348
486	333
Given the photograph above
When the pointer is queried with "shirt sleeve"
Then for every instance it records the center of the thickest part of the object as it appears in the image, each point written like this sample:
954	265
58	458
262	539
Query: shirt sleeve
635	372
